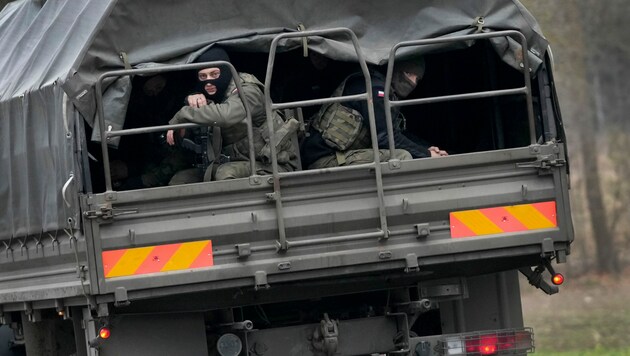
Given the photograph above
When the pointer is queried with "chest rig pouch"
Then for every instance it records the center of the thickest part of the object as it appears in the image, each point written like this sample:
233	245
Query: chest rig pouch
339	125
236	145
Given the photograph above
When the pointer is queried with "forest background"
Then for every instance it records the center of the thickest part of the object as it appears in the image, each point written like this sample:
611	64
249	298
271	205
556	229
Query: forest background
591	48
590	41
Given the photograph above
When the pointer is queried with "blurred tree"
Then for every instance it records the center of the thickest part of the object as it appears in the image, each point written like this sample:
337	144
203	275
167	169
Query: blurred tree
572	28
609	36
582	12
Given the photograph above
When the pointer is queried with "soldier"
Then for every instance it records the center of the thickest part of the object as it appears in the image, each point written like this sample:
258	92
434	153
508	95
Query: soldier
340	131
148	161
217	103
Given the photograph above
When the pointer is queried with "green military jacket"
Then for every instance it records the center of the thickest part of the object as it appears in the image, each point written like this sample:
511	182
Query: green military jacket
230	116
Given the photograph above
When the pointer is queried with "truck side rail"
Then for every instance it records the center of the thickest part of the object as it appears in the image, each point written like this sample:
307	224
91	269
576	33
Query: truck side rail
106	134
525	90
367	96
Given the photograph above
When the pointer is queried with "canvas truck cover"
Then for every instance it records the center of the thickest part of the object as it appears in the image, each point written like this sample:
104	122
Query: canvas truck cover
54	51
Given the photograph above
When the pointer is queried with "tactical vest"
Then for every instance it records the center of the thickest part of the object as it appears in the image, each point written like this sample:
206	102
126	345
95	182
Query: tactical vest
342	128
235	145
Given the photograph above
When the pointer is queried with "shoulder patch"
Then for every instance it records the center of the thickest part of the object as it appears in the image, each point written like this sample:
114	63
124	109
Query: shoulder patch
379	91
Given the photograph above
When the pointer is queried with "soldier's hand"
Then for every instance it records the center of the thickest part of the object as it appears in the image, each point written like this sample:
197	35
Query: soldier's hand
170	136
436	152
197	100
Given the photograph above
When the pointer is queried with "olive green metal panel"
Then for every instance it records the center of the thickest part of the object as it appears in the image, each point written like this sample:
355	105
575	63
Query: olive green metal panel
332	222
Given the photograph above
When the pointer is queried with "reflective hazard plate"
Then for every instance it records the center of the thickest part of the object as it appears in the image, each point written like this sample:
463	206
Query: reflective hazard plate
503	219
160	258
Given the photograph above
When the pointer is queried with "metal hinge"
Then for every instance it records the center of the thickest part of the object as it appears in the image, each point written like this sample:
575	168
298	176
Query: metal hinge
105	212
120	297
260	280
326	337
544	162
411	262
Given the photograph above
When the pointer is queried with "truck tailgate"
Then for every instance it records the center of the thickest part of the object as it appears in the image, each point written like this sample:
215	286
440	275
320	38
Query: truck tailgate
441	218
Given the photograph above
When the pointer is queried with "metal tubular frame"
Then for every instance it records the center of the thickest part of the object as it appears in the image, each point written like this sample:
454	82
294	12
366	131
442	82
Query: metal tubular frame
105	135
526	90
271	108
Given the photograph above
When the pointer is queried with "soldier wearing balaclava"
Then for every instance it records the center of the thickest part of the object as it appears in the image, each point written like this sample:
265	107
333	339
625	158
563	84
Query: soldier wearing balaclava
217	102
338	138
221	83
406	76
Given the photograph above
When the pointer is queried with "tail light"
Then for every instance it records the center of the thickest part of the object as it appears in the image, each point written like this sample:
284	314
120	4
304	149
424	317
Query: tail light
104	333
557	279
501	342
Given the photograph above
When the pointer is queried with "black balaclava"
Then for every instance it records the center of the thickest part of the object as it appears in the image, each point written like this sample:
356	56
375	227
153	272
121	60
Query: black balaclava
222	82
400	83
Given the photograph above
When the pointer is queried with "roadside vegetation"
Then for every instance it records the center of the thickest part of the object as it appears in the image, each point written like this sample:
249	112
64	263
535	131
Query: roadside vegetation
589	316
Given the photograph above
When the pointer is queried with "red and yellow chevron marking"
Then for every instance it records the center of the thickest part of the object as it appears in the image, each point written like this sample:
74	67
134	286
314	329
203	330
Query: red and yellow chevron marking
161	258
498	220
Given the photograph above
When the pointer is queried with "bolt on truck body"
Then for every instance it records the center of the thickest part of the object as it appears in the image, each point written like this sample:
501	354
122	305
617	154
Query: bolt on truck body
413	257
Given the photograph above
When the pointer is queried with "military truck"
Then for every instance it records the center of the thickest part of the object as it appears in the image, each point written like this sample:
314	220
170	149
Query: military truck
415	257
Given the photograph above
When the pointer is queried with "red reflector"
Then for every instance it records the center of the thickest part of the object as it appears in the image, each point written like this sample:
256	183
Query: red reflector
499	342
104	333
484	345
488	349
557	279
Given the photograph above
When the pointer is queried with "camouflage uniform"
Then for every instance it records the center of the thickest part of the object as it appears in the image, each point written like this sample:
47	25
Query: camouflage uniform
352	157
174	161
340	133
229	115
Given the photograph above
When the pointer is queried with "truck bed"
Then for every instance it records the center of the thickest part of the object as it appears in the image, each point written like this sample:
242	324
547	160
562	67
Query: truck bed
332	225
332	230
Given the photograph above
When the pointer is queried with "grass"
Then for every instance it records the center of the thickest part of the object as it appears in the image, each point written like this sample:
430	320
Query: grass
590	316
599	352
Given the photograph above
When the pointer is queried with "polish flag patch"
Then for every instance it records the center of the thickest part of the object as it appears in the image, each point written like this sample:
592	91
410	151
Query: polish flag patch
381	94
